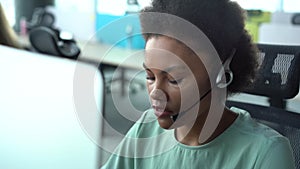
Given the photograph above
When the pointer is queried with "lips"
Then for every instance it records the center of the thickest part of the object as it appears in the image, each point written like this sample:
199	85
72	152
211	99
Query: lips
161	112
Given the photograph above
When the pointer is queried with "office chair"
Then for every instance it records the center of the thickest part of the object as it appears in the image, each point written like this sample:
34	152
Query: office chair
48	41
296	19
278	79
41	17
278	75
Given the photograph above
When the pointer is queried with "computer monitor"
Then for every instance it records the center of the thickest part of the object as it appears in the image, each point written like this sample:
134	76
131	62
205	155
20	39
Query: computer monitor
50	112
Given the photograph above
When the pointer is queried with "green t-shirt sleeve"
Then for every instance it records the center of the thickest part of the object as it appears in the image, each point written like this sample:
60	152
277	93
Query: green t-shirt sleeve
279	155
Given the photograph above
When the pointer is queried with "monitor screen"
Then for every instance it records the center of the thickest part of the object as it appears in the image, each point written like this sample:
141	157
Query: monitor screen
50	112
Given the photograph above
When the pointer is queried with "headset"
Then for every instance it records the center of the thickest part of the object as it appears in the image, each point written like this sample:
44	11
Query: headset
223	80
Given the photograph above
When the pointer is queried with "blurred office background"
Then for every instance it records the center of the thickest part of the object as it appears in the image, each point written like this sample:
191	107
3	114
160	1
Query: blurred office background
264	20
89	8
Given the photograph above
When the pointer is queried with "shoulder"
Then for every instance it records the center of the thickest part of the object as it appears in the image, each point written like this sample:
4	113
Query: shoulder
246	124
269	145
253	133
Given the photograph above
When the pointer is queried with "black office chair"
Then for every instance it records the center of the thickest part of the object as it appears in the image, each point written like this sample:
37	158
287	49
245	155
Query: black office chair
278	79
278	75
296	19
48	41
41	17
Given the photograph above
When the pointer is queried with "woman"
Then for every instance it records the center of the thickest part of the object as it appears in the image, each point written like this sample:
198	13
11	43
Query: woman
188	125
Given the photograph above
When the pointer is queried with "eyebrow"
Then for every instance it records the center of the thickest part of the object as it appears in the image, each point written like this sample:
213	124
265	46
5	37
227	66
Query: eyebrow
168	69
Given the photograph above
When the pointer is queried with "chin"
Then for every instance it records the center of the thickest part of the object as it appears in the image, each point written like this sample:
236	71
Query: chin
165	123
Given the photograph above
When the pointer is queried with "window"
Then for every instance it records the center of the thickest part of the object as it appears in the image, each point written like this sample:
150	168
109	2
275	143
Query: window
76	5
291	6
265	5
88	6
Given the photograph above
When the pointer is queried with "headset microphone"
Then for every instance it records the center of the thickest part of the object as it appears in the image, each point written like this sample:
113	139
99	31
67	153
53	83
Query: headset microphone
183	112
219	83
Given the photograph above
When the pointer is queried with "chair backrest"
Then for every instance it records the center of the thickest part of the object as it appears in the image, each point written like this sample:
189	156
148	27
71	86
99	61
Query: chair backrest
277	79
279	73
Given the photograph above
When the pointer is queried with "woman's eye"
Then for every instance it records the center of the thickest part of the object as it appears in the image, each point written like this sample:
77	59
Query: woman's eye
175	82
150	78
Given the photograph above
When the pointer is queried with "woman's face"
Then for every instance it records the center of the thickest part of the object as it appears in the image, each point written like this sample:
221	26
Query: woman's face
175	80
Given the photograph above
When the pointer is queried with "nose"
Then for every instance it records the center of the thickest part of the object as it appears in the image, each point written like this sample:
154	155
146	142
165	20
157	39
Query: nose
158	94
158	99
157	90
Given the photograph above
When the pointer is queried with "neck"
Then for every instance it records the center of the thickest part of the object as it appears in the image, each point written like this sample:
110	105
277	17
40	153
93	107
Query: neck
189	135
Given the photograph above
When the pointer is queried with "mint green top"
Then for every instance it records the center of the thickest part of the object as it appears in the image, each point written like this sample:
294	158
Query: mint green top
246	144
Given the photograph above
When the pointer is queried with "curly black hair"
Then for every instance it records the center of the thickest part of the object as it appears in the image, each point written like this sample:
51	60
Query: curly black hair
223	22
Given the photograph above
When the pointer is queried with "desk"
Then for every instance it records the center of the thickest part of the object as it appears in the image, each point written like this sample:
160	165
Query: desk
104	53
97	53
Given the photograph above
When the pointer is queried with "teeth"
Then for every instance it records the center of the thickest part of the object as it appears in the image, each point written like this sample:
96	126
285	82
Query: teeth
160	110
172	118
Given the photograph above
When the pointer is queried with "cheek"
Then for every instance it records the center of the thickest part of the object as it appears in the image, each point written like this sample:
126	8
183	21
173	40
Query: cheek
175	94
149	88
189	92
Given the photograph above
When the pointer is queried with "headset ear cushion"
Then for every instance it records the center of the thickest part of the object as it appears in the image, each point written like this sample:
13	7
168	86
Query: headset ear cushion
224	80
229	77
